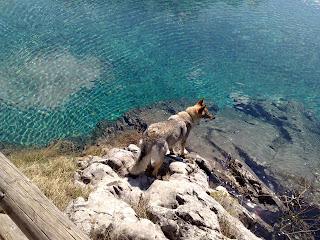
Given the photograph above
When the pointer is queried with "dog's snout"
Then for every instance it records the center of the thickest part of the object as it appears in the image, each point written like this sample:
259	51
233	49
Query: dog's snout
211	117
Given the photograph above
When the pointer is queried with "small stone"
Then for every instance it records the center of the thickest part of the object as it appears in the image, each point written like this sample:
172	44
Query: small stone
178	167
133	148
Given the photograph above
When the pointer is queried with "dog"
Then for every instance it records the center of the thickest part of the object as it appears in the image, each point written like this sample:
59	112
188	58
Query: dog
163	136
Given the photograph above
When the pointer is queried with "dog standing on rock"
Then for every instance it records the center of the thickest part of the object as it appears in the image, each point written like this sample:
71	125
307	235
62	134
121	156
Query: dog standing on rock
163	136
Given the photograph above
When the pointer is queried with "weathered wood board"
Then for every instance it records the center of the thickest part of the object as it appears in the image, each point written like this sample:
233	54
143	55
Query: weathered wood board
36	216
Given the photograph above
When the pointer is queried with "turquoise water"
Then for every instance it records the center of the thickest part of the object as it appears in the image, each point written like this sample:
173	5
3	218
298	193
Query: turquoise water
65	65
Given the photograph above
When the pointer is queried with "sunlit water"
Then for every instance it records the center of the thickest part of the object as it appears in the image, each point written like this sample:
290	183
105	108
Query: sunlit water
65	65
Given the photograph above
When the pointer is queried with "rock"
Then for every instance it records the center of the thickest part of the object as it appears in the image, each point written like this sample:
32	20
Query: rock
134	228
83	162
222	189
107	208
179	167
184	210
120	160
177	208
232	206
95	172
94	168
133	148
248	184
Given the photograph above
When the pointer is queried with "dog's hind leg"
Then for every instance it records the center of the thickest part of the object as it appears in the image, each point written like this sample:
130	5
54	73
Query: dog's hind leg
184	139
144	158
159	151
141	165
182	147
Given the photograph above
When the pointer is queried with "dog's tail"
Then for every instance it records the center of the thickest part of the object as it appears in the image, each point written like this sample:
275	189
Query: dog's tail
149	148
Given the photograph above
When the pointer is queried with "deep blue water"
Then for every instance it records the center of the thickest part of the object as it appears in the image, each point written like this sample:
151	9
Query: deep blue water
65	65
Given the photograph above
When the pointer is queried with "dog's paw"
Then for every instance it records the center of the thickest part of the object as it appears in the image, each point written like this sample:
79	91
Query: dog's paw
185	152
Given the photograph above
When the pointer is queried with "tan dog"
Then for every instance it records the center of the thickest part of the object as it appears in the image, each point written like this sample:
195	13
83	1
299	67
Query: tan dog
163	136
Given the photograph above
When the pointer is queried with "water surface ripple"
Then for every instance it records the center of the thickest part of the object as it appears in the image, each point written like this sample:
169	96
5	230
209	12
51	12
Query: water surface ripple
65	65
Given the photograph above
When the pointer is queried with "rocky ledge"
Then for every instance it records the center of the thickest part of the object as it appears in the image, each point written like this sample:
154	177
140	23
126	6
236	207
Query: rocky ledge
278	139
180	204
257	176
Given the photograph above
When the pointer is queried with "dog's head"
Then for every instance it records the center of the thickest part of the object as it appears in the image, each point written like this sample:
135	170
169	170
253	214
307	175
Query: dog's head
200	110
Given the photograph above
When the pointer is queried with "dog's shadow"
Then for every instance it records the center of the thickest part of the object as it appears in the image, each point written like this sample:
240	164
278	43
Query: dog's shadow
145	180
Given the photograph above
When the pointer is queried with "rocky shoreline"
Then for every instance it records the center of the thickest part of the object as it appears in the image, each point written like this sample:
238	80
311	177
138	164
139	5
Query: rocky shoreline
182	203
273	142
279	140
179	205
252	173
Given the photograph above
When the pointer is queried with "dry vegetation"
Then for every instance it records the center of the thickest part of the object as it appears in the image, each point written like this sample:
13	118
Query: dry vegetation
226	229
109	235
122	139
300	220
94	150
140	208
52	170
228	202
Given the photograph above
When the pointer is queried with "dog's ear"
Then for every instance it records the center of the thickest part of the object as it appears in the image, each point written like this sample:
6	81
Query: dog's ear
200	110
200	102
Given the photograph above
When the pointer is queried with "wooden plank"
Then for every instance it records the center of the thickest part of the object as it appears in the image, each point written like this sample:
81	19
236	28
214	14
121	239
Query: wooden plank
9	230
36	216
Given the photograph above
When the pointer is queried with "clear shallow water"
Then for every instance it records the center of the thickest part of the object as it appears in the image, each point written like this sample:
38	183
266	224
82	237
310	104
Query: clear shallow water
65	65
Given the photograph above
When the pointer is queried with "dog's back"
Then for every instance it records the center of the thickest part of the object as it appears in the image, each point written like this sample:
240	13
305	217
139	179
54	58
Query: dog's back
171	130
